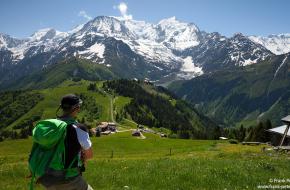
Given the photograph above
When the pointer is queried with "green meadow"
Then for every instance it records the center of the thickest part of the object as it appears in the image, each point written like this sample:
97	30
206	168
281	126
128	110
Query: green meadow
125	162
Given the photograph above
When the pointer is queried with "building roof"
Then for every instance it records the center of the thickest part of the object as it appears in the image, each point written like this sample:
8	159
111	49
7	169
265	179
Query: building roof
286	119
102	126
280	130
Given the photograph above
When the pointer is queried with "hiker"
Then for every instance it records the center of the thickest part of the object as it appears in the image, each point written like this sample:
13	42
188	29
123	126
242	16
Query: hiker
76	151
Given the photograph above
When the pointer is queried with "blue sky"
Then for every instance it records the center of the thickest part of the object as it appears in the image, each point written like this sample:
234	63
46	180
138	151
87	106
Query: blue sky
20	18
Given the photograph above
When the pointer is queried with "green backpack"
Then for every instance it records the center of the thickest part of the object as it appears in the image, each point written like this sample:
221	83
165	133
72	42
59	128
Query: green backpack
48	151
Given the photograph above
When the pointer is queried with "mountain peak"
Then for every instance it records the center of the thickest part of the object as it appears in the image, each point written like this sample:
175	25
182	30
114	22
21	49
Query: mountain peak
103	23
277	44
168	21
6	41
76	29
43	34
106	26
173	18
238	34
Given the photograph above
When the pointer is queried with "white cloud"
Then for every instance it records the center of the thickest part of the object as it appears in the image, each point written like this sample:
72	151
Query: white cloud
85	15
122	7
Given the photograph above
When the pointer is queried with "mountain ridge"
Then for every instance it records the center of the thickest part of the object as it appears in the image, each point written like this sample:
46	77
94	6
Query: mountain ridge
169	48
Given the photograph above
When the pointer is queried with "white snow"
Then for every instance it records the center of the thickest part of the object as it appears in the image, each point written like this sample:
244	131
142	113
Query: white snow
81	36
234	58
36	41
78	43
108	26
39	34
60	34
189	70
178	34
156	41
277	44
2	42
189	66
96	49
159	68
18	53
249	62
99	49
76	29
154	51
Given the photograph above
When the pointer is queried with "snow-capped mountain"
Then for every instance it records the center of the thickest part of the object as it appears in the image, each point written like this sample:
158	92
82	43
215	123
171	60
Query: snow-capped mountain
8	42
217	52
277	44
41	41
168	49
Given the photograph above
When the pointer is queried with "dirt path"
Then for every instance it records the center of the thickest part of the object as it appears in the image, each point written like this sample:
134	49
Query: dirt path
142	136
125	130
112	109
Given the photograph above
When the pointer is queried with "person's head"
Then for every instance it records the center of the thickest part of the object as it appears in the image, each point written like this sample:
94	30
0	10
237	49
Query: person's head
70	105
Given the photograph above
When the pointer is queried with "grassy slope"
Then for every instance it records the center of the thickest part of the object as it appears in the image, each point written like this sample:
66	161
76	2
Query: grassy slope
119	103
157	107
55	74
147	164
52	98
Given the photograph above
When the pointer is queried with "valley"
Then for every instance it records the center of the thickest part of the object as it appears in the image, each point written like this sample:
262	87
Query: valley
112	101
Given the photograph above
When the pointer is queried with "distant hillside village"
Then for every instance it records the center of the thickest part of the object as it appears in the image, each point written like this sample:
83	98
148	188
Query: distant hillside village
107	128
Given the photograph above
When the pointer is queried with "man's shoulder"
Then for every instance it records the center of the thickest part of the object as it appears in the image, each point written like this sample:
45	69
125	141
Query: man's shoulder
81	126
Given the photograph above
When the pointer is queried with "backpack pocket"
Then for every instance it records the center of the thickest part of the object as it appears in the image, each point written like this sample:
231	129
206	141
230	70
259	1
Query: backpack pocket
52	177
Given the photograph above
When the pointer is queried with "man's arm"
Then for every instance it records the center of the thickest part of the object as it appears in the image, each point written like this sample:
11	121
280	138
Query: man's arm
87	154
85	142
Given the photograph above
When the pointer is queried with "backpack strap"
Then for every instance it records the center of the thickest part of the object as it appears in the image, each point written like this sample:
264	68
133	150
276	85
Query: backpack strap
32	182
70	172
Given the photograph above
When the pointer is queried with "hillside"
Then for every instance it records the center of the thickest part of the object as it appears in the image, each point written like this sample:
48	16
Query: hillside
96	106
54	74
160	109
259	91
156	107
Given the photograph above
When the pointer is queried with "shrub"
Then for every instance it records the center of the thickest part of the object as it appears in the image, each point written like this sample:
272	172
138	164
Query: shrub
172	136
233	141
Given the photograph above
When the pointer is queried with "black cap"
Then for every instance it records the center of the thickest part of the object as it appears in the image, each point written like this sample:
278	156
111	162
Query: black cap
70	101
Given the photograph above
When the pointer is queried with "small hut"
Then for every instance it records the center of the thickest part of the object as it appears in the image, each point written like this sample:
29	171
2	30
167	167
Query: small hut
136	133
107	126
284	131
